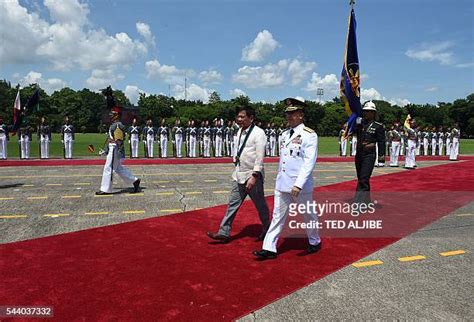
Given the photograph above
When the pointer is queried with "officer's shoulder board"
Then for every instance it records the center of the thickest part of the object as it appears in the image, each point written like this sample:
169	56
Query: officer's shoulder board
309	130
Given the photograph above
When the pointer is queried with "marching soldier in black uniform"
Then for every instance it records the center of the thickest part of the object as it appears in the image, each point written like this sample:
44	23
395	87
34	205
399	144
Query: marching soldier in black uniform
369	133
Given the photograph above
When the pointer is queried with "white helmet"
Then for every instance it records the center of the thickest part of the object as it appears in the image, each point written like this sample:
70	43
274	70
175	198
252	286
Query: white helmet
369	106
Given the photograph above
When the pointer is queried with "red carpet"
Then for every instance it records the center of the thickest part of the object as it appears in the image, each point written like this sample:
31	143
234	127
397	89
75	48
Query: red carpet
166	269
97	161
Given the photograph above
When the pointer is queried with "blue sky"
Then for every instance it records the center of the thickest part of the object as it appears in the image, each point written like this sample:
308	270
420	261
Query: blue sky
415	51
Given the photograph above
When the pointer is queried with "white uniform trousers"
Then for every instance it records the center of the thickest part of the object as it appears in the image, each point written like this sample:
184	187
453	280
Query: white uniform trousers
448	146
164	145
272	146
354	146
282	201
440	147
44	147
25	148
67	143
425	146
343	147
433	147
134	141
114	164
207	146
394	153
218	153
192	146
402	147
150	139
410	161
178	144
417	148
3	146
454	149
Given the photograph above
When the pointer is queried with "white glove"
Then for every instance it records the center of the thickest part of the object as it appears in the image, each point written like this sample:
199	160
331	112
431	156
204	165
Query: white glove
359	120
101	152
62	141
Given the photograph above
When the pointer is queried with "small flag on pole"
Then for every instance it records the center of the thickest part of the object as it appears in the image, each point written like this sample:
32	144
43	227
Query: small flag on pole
16	110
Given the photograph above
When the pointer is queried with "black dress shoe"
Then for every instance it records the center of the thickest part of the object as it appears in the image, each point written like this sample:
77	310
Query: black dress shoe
313	248
265	254
222	238
101	193
136	186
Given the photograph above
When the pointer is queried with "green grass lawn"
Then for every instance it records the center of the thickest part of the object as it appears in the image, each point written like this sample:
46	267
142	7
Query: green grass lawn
327	146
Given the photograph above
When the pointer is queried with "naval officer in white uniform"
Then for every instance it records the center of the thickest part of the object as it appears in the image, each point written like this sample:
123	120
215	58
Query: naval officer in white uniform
294	182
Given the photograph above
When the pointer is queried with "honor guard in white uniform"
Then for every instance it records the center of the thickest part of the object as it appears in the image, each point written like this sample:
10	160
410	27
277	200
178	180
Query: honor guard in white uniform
353	144
219	139
207	140
267	145
395	139
200	138
343	141
44	137
164	133
419	140
24	139
228	137
440	141
4	138
294	182
134	138
115	153
426	140
434	141
192	133
149	135
273	139
410	129
67	137
177	134
280	132
447	137
455	136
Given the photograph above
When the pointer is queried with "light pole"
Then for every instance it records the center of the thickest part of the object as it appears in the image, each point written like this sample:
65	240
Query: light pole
320	93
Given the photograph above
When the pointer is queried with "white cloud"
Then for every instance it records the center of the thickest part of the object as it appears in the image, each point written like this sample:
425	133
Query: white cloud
193	93
299	71
67	42
262	46
210	77
144	30
329	83
274	75
300	98
169	74
399	101
465	65
49	85
236	92
101	78
432	89
370	94
437	52
133	93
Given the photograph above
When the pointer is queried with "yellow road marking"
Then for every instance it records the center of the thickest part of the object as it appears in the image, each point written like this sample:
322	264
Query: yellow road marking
131	212
269	190
331	177
411	258
135	194
71	197
165	193
102	196
170	210
37	198
54	184
464	215
186	181
82	184
210	180
96	213
193	193
56	215
166	181
220	191
7	198
367	264
452	253
13	216
28	185
348	176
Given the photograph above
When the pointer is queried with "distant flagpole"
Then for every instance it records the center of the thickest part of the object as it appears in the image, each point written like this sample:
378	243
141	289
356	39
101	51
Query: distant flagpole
350	76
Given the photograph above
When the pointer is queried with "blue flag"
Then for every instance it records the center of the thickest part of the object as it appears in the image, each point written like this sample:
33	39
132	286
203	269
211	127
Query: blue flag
350	77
